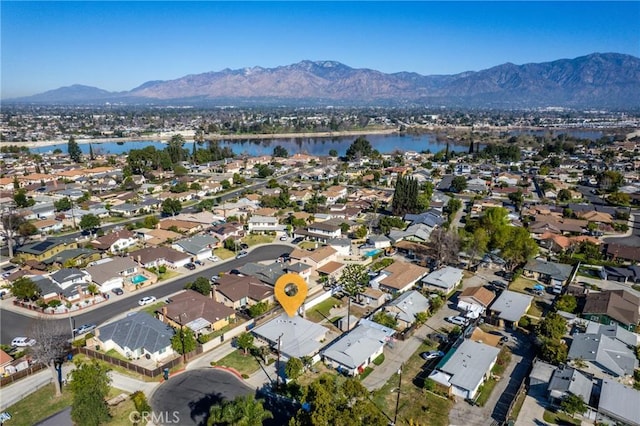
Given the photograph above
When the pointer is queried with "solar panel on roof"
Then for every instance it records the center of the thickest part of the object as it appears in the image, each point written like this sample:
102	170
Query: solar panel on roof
42	246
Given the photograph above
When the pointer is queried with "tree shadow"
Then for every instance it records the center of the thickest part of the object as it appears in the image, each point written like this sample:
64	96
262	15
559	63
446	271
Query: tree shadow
201	407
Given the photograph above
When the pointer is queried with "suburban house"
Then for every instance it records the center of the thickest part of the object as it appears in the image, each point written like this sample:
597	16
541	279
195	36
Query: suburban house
372	297
50	290
46	249
115	242
200	313
112	272
475	300
569	381
152	257
466	370
74	257
378	241
155	237
68	277
332	270
354	351
623	252
316	258
443	280
319	231
398	277
622	275
508	308
5	360
237	291
406	306
137	335
199	246
294	336
618	404
614	331
547	272
613	306
264	224
603	353
46	226
184	226
227	230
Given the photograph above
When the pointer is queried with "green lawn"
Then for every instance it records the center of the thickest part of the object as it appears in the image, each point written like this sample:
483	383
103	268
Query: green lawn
151	309
43	403
116	354
252	240
223	253
521	285
308	245
321	310
167	275
244	364
559	418
485	392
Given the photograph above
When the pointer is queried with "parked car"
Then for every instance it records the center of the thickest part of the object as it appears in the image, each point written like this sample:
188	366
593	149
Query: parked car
438	338
244	246
85	328
214	279
214	259
431	355
284	238
242	254
190	266
499	284
457	320
21	342
146	300
297	240
199	262
117	291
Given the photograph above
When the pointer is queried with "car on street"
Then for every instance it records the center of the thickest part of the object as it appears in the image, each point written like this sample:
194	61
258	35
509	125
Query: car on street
190	266
21	342
118	291
213	259
242	254
85	328
431	355
146	300
457	320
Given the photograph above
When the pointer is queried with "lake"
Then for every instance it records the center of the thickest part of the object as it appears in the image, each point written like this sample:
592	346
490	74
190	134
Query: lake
256	147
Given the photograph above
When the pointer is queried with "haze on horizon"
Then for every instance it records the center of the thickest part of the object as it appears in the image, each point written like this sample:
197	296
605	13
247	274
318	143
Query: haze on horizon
117	46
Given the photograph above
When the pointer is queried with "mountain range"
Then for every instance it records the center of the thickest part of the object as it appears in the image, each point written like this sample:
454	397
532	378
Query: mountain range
598	80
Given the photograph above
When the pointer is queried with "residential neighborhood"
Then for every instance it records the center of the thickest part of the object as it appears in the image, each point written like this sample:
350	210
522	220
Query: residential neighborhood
496	282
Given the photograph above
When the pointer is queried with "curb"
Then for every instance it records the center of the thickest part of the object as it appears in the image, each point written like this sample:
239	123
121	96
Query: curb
230	370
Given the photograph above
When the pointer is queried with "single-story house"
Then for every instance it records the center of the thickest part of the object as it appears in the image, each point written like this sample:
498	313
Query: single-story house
372	297
444	280
466	369
603	353
508	308
354	351
237	291
295	336
200	313
548	272
137	335
111	272
378	241
475	300
406	306
316	258
199	246
618	404
152	257
613	306
68	277
569	381
398	277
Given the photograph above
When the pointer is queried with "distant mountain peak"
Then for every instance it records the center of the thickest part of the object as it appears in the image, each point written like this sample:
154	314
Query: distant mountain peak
608	80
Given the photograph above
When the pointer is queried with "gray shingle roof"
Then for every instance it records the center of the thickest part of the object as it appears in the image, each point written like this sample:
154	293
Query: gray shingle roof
67	273
555	270
620	401
609	354
409	304
570	380
197	243
300	337
511	305
470	362
138	331
355	347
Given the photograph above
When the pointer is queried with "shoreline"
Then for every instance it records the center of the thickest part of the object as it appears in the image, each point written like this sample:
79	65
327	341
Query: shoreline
165	136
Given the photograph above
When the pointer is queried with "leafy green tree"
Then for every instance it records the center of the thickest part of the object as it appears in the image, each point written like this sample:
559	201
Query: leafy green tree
563	195
385	319
520	246
174	148
387	222
619	199
89	221
293	368
90	387
183	341
258	309
179	170
572	404
62	204
567	303
150	221
206	205
280	151
21	199
11	222
171	206
361	232
458	184
201	285
264	171
610	180
75	153
333	153
360	148
517	198
475	243
179	187
245	341
554	326
225	184
353	279
25	289
27	229
242	411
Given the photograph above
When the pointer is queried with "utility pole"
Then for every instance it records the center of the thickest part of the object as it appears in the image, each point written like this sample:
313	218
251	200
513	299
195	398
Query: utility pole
395	417
184	358
278	364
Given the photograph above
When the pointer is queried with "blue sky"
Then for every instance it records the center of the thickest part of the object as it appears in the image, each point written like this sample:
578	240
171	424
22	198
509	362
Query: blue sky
120	45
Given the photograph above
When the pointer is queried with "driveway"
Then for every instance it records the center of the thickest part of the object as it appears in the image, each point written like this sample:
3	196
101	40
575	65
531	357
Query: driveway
189	396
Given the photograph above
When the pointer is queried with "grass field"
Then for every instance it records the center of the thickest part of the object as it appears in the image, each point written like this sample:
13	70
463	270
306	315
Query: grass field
415	403
43	403
244	364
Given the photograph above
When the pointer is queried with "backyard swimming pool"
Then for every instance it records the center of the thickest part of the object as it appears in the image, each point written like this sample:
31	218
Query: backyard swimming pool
138	279
372	253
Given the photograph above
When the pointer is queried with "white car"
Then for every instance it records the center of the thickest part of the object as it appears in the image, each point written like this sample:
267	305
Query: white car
214	259
146	300
458	320
85	328
21	342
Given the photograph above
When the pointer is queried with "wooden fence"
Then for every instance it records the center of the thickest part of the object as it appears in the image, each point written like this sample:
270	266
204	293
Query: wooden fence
20	374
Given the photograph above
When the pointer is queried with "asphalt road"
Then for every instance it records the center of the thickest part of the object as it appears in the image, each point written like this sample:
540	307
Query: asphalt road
15	324
185	399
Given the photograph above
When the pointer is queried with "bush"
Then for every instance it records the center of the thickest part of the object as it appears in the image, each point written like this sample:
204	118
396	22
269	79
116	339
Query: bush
245	376
429	385
524	322
80	343
379	360
162	269
204	338
140	401
54	303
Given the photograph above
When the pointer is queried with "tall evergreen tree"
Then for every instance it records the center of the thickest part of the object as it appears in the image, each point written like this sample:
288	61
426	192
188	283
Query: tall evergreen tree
91	156
74	150
471	148
405	197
